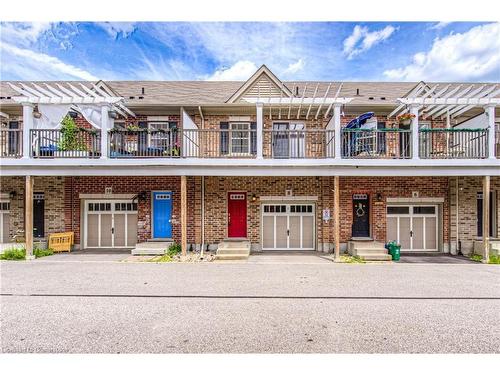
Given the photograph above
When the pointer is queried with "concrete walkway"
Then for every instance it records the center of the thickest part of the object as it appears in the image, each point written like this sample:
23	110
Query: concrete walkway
89	255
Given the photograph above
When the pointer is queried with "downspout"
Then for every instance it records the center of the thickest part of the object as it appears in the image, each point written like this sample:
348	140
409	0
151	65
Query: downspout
202	196
457	234
202	216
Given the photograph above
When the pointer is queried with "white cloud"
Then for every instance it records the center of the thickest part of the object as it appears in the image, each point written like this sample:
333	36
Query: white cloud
116	29
295	67
439	25
23	33
362	39
468	56
240	71
275	44
29	65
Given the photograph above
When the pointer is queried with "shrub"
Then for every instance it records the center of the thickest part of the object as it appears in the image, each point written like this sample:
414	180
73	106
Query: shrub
476	257
42	252
70	136
174	249
494	259
14	253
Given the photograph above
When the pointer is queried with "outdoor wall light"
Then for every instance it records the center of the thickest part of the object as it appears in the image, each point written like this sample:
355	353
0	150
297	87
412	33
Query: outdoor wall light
112	114
36	114
73	114
254	197
141	195
379	197
12	194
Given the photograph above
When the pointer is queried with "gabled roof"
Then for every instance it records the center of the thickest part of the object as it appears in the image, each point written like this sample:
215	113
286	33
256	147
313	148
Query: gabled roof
263	83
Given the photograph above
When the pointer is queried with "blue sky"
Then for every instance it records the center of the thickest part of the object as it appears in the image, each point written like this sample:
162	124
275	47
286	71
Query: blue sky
391	51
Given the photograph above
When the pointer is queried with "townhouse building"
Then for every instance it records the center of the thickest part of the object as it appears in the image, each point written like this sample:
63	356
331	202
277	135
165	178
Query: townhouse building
264	164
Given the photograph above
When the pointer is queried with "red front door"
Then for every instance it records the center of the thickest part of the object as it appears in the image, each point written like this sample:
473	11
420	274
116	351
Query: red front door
237	215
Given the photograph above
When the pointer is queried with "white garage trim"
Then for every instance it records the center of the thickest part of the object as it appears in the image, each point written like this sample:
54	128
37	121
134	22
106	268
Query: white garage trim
288	226
414	231
112	207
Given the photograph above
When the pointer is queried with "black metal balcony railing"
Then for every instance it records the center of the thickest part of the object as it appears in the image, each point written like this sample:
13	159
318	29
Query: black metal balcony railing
453	143
11	143
298	144
219	143
56	143
376	144
143	144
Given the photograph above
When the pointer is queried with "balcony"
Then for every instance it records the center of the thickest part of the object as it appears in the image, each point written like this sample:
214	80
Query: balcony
124	144
242	144
376	144
11	143
453	143
299	144
57	144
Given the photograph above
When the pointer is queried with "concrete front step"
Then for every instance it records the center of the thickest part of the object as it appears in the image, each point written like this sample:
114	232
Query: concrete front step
375	257
243	251
233	250
151	248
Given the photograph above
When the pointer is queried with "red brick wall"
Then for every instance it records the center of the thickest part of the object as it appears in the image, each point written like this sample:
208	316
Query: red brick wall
74	186
388	187
393	187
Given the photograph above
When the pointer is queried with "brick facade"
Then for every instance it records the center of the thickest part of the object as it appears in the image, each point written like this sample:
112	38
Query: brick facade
134	185
388	187
217	189
468	187
53	189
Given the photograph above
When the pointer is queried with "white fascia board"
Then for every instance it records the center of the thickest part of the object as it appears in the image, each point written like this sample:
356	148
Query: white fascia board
253	171
450	101
65	100
304	101
250	167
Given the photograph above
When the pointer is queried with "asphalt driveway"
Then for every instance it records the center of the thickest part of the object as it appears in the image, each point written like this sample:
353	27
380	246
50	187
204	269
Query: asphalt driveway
275	307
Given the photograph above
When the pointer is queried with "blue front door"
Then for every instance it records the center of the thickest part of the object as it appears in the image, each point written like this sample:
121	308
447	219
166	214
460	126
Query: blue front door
162	213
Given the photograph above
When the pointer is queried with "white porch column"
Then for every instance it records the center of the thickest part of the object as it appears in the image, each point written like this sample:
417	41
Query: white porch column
486	219
337	131
490	111
414	133
260	129
104	131
27	126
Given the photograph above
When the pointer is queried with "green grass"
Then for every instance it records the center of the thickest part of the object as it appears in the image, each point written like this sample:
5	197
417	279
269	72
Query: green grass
161	259
476	257
494	259
351	259
38	253
172	250
14	253
19	253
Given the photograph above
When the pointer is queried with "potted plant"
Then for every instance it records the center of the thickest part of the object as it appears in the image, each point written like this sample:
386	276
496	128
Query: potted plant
405	119
71	144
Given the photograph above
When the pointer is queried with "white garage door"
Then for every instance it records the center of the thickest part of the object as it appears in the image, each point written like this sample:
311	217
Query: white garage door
288	227
4	221
110	224
415	227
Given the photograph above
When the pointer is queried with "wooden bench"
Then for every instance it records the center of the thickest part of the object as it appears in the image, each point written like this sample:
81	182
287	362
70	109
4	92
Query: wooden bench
61	241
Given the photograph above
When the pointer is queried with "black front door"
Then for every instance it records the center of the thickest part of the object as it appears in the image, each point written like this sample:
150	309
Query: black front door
38	215
361	215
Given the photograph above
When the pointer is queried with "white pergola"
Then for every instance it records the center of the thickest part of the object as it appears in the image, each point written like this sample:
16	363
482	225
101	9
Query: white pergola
289	106
82	98
440	101
446	101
